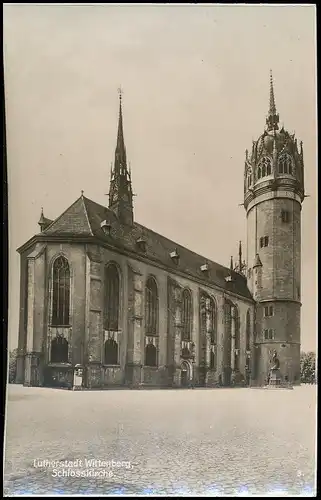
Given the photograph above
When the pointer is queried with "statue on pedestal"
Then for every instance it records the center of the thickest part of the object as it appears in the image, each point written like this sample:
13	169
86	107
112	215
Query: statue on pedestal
275	374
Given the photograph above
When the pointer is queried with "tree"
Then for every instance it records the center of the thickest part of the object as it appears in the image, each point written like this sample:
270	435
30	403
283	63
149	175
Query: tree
12	365
308	368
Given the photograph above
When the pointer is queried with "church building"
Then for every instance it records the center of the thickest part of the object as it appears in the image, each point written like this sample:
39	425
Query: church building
135	309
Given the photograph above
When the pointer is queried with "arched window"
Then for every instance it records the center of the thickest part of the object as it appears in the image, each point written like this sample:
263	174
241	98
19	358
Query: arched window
265	167
186	353
59	350
186	315
248	331
237	337
213	361
112	290
150	355
249	177
111	352
259	172
285	164
151	307
208	320
61	292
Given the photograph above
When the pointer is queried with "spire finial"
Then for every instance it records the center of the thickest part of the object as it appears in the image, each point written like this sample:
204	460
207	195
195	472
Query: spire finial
272	120
272	109
240	256
82	192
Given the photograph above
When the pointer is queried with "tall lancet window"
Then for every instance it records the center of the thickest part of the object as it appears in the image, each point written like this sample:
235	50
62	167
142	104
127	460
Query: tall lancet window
151	307
112	291
248	331
61	292
187	315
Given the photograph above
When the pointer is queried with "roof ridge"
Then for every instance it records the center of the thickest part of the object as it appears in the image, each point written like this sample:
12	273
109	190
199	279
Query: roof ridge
86	213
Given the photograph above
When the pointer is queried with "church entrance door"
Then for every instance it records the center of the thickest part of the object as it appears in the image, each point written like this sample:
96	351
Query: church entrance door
185	374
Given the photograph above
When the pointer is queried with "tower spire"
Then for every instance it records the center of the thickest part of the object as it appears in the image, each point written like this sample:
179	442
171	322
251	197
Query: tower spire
120	193
120	153
272	120
240	256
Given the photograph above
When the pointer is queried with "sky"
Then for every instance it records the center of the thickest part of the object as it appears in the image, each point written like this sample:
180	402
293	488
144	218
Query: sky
195	83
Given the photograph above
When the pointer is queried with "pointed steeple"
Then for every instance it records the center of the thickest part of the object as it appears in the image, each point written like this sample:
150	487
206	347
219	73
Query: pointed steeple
272	120
120	193
43	221
120	153
240	256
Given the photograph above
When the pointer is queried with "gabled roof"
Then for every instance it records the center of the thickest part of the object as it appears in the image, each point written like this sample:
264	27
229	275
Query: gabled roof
84	217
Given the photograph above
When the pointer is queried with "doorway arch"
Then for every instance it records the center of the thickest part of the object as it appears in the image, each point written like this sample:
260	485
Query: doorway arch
186	373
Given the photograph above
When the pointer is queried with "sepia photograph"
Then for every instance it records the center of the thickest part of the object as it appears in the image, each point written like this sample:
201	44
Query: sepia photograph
162	249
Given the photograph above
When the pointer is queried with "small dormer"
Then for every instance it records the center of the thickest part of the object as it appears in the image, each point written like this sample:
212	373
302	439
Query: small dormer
141	244
205	268
106	227
174	255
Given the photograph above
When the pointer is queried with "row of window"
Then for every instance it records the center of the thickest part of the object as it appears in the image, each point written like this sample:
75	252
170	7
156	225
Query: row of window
59	353
285	166
61	304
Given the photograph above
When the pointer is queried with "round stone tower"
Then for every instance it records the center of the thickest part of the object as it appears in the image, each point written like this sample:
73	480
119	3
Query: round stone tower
273	196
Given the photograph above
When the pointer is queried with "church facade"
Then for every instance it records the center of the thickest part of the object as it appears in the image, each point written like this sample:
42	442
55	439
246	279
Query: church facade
135	309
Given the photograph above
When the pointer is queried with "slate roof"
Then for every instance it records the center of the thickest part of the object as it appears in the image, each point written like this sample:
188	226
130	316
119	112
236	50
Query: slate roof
84	216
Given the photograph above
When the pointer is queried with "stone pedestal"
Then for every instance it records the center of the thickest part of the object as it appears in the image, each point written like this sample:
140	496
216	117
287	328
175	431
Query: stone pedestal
133	374
275	377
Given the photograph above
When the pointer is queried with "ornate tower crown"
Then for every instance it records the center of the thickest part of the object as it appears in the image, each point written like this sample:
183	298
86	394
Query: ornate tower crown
274	159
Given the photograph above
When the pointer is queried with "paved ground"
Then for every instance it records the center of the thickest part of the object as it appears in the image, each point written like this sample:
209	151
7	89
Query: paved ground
219	441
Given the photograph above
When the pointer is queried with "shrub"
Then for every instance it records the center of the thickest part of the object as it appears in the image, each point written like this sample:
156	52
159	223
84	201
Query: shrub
307	368
12	366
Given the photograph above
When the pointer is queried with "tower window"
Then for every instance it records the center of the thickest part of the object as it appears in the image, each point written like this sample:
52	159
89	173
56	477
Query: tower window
264	168
268	334
268	311
285	164
285	216
264	241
